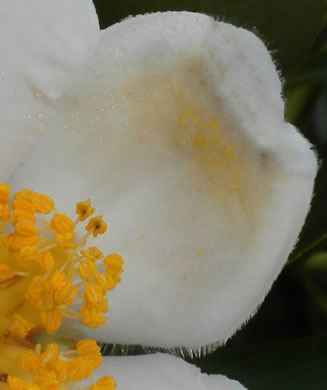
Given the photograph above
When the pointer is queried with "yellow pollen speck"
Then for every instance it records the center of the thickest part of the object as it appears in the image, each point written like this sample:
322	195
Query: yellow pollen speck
200	141
38	93
201	253
214	126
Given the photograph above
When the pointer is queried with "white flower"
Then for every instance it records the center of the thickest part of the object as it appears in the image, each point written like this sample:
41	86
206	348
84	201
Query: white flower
160	372
175	128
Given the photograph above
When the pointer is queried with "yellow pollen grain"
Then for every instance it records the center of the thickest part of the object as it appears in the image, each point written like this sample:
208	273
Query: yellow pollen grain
206	140
214	126
38	93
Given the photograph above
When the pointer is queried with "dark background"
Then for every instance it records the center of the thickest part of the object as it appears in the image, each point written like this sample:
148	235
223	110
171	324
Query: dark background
285	345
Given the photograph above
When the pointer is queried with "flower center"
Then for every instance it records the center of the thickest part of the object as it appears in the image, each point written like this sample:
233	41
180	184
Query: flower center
45	272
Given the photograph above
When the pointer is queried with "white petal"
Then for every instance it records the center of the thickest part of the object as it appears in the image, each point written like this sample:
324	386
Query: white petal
158	372
43	46
177	134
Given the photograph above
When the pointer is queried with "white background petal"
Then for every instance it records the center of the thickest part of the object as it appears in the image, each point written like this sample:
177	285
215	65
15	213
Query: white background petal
43	45
200	255
158	372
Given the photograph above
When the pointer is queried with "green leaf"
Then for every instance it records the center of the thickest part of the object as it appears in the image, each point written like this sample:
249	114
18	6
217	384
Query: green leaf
297	364
312	73
316	262
321	241
288	27
313	236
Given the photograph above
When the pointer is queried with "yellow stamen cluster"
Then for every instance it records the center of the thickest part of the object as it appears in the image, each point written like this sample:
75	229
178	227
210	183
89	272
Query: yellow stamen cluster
51	369
20	327
49	270
4	199
41	246
94	301
5	272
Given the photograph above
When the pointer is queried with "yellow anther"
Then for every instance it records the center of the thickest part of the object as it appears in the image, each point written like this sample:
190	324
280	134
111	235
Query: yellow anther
15	242
84	210
61	369
26	229
93	293
116	279
51	320
105	383
46	260
86	269
47	381
4	212
21	215
20	327
91	316
95	360
64	241
96	253
4	193
79	369
23	204
50	355
87	347
92	253
35	292
30	361
28	250
15	383
102	306
24	194
61	224
6	272
114	264
59	291
43	203
96	225
111	280
105	281
87	254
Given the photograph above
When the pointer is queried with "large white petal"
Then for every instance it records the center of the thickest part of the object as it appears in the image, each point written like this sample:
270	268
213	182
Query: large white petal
43	46
158	372
177	134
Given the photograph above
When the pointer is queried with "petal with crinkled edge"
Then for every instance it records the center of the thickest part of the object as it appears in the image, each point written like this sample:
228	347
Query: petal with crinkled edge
158	372
177	134
44	44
